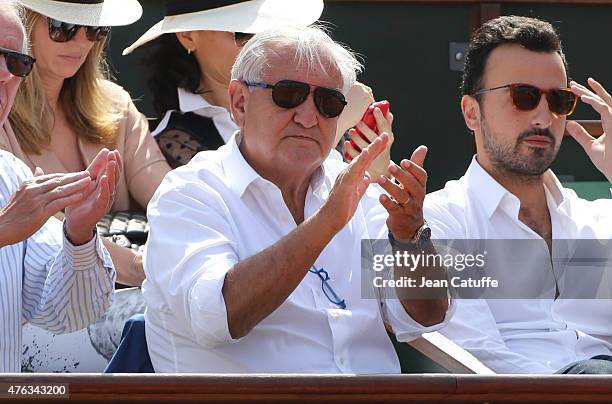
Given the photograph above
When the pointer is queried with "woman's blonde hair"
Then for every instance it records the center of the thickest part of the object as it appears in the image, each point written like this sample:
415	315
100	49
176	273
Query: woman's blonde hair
90	109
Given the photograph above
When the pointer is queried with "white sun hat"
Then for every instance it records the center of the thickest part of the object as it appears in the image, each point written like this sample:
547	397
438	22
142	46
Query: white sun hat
250	16
88	12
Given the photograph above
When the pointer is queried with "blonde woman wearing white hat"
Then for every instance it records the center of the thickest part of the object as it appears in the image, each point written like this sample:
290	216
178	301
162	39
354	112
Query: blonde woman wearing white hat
67	109
191	53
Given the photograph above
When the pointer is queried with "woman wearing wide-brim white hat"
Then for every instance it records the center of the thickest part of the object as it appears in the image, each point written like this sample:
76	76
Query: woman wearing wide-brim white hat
67	109
88	12
248	16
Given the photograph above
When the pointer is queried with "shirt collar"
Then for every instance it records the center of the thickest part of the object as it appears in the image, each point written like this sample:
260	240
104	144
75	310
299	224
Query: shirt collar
491	193
190	102
552	183
240	174
320	183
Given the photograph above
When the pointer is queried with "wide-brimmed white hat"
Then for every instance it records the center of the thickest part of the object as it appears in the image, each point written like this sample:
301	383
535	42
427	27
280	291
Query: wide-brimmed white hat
250	16
88	12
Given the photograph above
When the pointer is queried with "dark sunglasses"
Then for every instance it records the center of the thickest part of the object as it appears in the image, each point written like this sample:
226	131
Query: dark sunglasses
525	97
290	94
60	31
241	38
18	64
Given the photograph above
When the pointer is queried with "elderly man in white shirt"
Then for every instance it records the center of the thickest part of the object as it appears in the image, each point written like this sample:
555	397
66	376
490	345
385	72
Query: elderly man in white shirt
516	102
253	261
55	275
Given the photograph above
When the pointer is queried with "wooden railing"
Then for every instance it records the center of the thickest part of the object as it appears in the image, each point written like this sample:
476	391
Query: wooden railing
316	388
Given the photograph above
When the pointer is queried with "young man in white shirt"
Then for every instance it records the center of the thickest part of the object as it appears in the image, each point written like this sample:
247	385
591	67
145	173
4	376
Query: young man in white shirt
515	102
253	261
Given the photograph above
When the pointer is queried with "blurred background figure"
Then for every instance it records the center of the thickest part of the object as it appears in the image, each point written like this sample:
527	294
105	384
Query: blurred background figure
79	111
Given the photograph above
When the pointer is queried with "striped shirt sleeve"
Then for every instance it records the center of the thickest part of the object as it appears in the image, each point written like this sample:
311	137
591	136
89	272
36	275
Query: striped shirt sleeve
65	287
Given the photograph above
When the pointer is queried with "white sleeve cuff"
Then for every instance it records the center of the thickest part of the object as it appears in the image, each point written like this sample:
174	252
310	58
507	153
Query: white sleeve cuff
405	327
206	305
83	257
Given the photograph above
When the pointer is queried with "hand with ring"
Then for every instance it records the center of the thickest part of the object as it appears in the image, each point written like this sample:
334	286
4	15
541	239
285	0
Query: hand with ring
404	201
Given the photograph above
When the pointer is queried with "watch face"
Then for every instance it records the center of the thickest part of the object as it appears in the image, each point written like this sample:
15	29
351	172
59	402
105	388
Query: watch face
424	237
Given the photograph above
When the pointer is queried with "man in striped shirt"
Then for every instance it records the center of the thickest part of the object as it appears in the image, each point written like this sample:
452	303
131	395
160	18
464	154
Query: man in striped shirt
56	275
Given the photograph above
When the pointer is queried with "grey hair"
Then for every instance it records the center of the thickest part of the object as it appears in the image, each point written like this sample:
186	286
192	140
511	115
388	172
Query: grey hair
312	45
18	11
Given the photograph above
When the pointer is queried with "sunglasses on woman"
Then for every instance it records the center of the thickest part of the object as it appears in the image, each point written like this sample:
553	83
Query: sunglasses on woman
18	64
289	94
525	97
60	31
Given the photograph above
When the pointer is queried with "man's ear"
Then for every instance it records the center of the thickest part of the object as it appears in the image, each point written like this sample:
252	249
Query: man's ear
239	93
471	112
186	40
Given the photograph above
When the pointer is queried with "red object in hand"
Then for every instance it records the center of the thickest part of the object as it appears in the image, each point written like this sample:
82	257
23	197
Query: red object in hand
368	117
370	121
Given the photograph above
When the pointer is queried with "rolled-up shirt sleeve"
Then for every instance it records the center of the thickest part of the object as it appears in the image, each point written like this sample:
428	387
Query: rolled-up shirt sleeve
189	252
405	327
206	305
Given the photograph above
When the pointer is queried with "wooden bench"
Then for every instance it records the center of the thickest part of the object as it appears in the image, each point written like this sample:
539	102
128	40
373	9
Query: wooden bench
448	355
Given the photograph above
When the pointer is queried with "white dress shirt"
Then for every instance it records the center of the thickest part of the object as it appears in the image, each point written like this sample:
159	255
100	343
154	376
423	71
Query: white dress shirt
216	211
523	335
45	280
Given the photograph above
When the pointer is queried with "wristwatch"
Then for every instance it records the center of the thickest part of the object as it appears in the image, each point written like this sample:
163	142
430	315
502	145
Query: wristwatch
419	240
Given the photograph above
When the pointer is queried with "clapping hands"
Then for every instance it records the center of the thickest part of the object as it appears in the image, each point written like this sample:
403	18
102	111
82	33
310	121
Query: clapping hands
85	196
81	217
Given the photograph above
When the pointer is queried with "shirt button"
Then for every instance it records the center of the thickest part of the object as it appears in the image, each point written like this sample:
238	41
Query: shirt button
341	360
